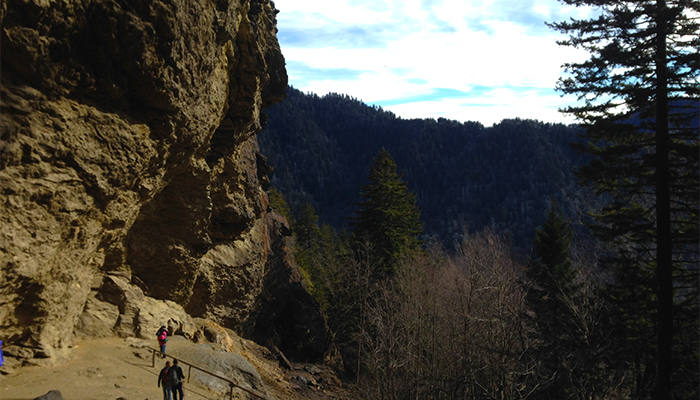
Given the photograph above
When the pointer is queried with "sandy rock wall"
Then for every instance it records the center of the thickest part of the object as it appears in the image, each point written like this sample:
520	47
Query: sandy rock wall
128	146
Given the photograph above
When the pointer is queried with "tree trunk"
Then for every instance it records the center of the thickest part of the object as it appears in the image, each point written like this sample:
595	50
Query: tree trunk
664	271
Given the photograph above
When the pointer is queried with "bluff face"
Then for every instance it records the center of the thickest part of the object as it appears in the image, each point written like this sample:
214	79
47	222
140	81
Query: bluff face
128	150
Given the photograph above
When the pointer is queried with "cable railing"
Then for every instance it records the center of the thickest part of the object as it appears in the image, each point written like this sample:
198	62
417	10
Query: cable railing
232	384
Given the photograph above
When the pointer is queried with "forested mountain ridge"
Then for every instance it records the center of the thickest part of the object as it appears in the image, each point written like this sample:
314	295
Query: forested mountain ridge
464	174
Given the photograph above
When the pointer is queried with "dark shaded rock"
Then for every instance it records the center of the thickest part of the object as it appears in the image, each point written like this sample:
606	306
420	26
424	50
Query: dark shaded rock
287	316
52	395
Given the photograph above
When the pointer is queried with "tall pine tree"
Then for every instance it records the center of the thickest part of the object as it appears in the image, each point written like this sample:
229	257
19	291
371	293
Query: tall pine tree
550	294
639	93
388	219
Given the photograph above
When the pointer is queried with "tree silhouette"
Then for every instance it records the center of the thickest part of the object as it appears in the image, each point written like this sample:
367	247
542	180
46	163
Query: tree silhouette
550	295
639	97
388	218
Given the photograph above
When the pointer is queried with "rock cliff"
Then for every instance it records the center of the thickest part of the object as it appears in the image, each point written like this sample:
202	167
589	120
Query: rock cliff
129	165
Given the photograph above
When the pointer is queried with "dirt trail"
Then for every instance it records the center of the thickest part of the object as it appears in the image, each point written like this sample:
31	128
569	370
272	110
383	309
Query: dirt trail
120	369
100	369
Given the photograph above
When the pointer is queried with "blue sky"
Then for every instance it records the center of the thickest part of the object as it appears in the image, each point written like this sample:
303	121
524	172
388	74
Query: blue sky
479	60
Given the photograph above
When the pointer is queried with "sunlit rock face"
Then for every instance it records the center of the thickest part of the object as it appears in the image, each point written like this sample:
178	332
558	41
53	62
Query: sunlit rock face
128	146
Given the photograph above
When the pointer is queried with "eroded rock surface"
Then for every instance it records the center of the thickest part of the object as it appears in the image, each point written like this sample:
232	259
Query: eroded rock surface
128	160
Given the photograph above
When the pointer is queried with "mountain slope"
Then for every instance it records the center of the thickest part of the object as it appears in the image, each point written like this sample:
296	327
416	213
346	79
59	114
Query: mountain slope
499	177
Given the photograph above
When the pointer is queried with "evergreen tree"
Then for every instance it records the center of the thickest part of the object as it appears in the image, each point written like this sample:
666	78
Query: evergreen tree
550	295
306	229
639	96
388	219
571	347
279	203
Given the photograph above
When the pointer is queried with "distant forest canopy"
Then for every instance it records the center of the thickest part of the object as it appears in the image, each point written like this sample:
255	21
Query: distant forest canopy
464	174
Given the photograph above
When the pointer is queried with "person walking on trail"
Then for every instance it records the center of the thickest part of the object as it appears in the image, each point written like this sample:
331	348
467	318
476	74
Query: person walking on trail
175	376
162	336
164	380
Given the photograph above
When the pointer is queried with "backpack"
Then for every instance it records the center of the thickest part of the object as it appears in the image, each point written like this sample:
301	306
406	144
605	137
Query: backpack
173	376
166	377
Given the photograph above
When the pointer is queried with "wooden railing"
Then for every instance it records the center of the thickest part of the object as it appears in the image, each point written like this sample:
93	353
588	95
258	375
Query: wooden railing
232	384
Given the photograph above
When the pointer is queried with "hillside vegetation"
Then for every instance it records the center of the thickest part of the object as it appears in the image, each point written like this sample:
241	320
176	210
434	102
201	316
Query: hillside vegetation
573	320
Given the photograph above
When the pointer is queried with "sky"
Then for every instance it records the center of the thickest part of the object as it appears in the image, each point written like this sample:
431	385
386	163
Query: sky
465	60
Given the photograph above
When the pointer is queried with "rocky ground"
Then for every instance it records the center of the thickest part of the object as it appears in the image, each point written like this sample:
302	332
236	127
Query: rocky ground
116	368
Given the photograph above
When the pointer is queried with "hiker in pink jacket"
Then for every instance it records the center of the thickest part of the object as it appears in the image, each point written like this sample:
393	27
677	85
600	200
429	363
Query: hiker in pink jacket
162	336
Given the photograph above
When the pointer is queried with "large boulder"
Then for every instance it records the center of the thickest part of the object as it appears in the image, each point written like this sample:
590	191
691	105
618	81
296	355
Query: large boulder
231	366
210	332
120	307
98	318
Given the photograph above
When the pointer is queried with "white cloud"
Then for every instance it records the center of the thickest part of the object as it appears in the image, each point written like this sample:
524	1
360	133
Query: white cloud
450	44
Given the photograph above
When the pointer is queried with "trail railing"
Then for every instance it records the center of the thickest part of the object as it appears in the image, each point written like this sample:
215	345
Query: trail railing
232	384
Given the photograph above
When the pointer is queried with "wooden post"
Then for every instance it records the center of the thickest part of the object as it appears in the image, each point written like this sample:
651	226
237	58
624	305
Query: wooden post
283	362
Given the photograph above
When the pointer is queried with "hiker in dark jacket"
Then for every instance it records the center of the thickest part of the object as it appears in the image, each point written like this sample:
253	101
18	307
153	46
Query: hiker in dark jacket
176	376
163	378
